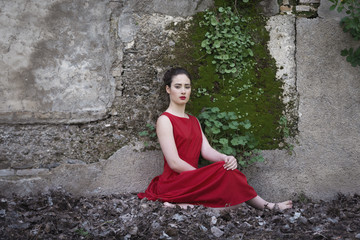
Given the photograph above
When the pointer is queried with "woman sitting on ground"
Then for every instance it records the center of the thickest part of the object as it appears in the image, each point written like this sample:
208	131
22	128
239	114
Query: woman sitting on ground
218	185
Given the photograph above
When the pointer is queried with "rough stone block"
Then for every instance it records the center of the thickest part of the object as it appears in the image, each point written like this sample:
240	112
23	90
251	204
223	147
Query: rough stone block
57	61
286	9
286	2
309	1
325	161
31	172
282	48
325	12
182	8
269	7
128	170
303	8
7	172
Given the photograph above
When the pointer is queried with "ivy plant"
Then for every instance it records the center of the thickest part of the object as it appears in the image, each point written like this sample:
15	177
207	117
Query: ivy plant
227	134
351	24
228	41
149	134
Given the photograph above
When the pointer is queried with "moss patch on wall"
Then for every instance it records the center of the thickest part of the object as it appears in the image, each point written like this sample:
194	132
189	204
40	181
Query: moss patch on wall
257	96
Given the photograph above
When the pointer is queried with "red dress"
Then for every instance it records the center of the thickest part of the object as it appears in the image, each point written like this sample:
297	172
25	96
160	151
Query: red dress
211	186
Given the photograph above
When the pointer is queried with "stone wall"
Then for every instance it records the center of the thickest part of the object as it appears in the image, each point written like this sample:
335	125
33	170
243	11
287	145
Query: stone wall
325	159
79	80
82	81
56	60
94	63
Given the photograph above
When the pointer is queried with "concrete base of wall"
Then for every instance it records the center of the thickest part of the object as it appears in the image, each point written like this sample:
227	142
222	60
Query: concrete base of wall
326	155
128	170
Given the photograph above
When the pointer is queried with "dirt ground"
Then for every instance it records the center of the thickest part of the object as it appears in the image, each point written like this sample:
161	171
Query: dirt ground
59	215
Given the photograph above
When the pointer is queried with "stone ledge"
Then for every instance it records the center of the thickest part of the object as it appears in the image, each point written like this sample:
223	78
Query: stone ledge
127	170
309	1
51	117
31	172
7	172
304	8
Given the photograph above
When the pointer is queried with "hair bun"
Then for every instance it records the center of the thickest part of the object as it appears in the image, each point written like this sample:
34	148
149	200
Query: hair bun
172	72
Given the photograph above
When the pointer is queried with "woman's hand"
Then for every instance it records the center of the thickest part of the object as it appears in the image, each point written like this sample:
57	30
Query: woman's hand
230	163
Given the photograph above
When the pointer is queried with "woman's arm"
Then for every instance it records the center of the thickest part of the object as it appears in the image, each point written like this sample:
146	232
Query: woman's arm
164	131
212	155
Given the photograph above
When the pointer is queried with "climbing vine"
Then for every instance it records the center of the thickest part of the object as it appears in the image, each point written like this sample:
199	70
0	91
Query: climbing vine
247	89
351	24
229	135
228	41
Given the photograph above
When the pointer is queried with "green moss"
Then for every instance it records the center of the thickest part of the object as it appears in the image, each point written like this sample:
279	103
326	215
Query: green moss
261	103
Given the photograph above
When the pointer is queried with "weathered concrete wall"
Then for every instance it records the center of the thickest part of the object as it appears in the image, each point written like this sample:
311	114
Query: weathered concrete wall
128	170
56	60
134	36
326	155
85	159
135	39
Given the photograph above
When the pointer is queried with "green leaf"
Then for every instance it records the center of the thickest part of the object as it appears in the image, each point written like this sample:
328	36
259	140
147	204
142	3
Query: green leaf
227	150
241	163
223	141
221	9
232	116
215	110
214	21
208	123
217	44
233	125
215	130
224	127
247	154
218	124
143	133
344	52
221	115
240	140
204	43
246	124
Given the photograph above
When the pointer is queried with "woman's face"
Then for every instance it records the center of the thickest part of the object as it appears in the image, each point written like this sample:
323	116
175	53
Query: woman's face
180	89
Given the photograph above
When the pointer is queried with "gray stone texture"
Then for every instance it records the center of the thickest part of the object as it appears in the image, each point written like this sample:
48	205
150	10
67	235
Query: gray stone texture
136	35
128	170
138	98
309	1
269	7
326	154
303	8
55	64
282	48
74	61
329	107
181	8
324	11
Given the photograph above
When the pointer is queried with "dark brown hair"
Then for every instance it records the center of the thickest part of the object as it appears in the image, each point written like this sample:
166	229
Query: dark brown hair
168	76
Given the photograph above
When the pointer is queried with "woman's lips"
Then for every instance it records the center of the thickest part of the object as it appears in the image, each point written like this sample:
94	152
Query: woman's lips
182	98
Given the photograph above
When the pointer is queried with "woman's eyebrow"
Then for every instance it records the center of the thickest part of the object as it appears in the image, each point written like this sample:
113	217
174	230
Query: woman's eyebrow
179	84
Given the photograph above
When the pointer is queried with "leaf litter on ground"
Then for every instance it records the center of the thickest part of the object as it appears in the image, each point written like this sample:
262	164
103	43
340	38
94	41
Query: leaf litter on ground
60	215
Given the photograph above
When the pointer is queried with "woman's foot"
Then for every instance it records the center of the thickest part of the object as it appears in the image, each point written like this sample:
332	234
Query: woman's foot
181	205
279	206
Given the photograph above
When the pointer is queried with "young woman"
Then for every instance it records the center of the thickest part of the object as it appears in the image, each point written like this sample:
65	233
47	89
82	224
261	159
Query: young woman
218	185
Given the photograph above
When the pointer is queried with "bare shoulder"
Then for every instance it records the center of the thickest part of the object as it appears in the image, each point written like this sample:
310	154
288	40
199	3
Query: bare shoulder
163	119
163	122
